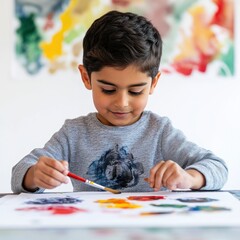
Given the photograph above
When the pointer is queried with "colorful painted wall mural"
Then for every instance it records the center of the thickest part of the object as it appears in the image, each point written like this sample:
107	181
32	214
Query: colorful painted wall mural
198	35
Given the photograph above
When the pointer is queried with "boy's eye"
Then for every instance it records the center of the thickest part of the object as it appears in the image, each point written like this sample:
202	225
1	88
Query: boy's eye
135	93
112	91
108	91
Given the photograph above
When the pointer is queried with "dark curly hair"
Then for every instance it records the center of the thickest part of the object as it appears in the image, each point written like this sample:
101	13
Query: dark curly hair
120	39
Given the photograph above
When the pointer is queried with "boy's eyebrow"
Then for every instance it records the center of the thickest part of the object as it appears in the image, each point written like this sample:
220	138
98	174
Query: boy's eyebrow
132	85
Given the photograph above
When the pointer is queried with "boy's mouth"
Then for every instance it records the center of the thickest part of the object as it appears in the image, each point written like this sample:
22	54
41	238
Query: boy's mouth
120	114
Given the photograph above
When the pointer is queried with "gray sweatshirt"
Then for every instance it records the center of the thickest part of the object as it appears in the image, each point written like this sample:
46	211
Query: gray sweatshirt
121	157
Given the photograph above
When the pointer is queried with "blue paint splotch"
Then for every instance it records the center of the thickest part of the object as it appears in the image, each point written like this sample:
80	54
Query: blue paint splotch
196	199
116	169
54	200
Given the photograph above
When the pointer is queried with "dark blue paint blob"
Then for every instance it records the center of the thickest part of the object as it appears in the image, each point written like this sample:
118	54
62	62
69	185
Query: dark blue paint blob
54	200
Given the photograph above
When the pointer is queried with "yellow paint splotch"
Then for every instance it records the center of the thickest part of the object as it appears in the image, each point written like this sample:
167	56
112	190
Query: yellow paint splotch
118	203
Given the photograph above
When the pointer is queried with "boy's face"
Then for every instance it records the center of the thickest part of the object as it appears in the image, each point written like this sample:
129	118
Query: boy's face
119	95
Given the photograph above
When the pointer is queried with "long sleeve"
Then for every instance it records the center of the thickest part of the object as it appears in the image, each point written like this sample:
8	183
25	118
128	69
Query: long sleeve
56	147
188	155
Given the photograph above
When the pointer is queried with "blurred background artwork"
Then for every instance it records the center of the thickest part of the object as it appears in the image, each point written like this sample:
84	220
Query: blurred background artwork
198	35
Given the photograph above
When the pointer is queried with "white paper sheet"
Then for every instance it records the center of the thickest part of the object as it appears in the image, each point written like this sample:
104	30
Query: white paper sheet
93	214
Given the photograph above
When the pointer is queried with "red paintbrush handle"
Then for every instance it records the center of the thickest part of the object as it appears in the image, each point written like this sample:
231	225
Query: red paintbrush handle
72	175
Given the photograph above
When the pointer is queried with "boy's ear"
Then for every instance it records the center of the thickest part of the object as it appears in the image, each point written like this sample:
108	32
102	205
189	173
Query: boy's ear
85	78
154	82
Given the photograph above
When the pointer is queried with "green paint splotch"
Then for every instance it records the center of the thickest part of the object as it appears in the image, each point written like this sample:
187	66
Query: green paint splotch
27	44
227	58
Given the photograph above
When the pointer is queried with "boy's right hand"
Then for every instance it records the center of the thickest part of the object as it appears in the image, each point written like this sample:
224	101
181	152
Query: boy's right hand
47	173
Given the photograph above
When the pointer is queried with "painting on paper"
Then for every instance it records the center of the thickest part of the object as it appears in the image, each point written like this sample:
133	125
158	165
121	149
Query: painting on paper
198	36
103	209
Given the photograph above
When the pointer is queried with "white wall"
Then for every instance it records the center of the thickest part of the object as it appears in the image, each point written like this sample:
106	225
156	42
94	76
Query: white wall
207	110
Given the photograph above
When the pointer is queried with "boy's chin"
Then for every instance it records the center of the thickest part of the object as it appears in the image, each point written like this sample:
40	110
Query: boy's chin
120	123
118	120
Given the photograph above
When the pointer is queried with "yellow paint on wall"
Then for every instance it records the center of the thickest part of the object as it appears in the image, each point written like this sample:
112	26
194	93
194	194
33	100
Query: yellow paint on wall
77	12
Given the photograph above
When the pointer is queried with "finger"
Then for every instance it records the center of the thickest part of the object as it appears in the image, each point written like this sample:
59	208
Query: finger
52	170
56	175
44	181
171	182
57	169
169	173
65	164
178	179
55	164
153	172
166	177
158	182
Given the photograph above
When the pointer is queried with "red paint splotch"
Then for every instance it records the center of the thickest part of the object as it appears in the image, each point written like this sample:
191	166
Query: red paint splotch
55	210
145	198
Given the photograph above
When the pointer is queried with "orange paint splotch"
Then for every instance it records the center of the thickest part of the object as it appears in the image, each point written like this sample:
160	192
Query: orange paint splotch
118	203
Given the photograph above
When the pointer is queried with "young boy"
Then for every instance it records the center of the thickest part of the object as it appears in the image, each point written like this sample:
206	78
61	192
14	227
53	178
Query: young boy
121	144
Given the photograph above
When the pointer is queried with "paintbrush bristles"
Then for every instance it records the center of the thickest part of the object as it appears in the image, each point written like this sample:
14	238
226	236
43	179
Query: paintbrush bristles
112	190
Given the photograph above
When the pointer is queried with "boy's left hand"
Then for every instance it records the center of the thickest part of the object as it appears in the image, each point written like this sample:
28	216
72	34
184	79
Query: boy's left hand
170	175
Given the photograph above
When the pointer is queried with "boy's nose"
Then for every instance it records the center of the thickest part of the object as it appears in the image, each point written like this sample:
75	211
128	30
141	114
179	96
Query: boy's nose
122	100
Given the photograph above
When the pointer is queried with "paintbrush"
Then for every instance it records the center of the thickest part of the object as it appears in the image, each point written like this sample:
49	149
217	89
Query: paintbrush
93	184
